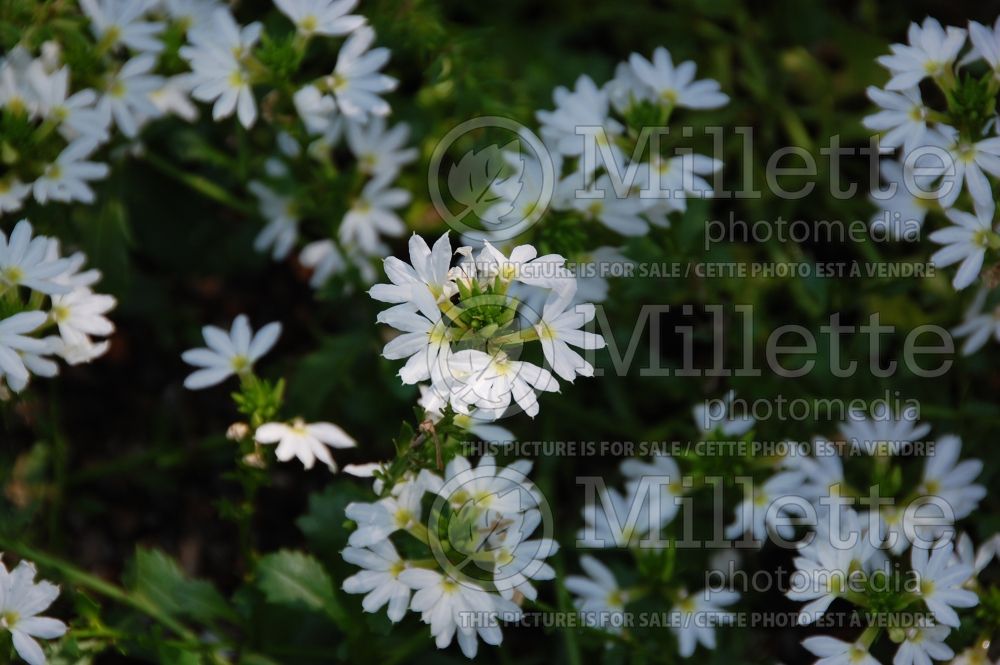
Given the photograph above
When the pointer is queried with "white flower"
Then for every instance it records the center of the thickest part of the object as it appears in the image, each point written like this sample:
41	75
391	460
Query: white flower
282	229
883	434
675	179
80	314
21	601
755	516
216	56
976	559
325	260
191	14
931	52
496	490
424	281
16	93
600	202
380	152
901	213
664	470
76	114
306	441
986	43
373	213
356	82
712	415
518	559
491	381
559	327
174	96
675	86
83	351
321	17
903	117
127	94
832	651
580	113
12	193
948	478
229	354
319	114
941	580
967	242
377	521
477	424
379	579
923	643
67	178
826	569
25	261
120	22
694	617
14	341
424	342
967	164
614	520
599	598
452	608
978	325
524	266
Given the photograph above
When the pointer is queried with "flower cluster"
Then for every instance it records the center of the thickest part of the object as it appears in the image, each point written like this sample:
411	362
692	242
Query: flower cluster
637	521
312	118
49	132
850	555
234	353
464	328
597	166
42	290
938	109
474	559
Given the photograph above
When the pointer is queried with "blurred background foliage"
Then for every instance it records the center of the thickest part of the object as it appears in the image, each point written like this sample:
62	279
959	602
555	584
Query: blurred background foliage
116	455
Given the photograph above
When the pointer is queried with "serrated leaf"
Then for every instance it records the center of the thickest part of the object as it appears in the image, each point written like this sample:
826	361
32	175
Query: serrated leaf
295	578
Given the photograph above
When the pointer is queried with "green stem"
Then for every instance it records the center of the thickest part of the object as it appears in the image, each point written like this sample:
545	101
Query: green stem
73	574
200	184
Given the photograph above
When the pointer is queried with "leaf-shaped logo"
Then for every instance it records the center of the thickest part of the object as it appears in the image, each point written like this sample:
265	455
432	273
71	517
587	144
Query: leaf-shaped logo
472	182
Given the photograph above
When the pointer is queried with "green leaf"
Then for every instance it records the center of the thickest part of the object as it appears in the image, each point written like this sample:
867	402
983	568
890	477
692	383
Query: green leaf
296	578
159	579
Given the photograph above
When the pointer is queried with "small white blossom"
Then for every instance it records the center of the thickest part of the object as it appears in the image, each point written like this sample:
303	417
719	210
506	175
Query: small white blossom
282	229
967	242
68	178
379	579
675	86
599	598
306	441
21	601
832	651
931	52
322	17
941	580
121	22
229	353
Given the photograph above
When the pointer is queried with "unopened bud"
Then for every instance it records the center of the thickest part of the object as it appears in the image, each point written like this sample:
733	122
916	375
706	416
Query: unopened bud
238	431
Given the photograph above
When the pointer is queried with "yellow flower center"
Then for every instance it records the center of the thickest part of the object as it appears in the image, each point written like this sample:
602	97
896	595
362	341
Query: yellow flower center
239	363
13	275
309	23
